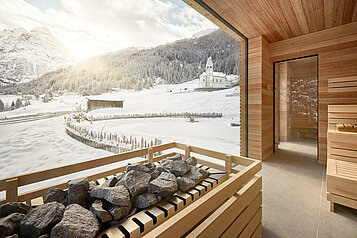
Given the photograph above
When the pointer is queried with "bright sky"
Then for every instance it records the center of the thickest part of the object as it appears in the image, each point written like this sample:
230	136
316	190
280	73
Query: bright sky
92	27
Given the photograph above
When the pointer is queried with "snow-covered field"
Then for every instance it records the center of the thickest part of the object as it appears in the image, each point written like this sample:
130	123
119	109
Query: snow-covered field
62	103
215	133
32	146
173	98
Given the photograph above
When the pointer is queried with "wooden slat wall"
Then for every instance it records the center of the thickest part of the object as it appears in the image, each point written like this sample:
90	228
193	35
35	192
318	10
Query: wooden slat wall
313	43
267	102
255	97
342	146
344	84
260	99
341	114
334	64
337	57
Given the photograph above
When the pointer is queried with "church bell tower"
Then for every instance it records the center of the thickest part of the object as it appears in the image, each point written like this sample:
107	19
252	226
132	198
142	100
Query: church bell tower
209	72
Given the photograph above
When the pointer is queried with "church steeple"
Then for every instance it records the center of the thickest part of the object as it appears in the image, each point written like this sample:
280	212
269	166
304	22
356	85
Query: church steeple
209	72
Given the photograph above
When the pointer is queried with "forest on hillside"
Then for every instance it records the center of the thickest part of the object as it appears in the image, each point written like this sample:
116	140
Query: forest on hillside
133	68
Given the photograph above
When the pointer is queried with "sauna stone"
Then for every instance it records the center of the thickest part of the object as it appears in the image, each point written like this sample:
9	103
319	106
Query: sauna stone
10	224
174	158
56	195
194	175
137	167
176	167
150	166
204	173
185	184
146	200
40	220
76	222
118	212
12	207
110	182
97	209
118	195
164	185
158	171
191	161
78	191
136	182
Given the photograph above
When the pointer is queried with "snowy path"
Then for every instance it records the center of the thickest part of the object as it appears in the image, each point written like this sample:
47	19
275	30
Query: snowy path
34	117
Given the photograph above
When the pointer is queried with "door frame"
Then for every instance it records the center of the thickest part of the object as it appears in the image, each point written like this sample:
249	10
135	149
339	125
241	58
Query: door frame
317	91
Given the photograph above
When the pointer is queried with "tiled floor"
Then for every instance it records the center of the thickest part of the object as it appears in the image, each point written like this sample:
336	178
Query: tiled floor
294	196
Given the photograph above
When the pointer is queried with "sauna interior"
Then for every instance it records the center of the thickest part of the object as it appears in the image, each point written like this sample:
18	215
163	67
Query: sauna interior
296	102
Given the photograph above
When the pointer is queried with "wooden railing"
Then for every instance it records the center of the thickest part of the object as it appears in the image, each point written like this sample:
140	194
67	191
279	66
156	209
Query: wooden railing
11	184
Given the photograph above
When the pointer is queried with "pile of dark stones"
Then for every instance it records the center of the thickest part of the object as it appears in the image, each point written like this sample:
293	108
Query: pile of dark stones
85	208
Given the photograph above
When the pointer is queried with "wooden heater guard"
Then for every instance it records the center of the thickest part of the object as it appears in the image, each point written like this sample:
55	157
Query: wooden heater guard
232	209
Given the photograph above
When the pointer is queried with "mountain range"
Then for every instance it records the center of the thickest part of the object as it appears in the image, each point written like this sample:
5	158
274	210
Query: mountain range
134	68
27	55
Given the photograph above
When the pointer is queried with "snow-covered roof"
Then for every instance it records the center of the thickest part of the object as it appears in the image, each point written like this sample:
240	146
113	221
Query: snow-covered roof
215	74
105	98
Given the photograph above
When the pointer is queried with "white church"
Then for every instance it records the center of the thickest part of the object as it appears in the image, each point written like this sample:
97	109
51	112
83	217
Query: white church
211	79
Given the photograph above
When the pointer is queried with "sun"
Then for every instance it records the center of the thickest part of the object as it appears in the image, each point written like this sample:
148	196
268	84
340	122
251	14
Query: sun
80	52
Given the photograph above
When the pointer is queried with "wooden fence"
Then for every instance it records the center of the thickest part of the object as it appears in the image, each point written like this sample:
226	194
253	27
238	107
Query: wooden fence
154	115
113	142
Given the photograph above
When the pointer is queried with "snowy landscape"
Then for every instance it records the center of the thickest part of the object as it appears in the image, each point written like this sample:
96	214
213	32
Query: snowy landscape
37	145
44	86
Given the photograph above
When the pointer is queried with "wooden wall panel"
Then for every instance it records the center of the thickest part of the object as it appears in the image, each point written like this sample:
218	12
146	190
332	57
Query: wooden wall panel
260	99
254	97
267	101
337	55
315	42
334	64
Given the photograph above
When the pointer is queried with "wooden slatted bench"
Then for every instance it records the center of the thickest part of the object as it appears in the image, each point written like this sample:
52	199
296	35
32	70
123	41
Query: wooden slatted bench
226	204
341	173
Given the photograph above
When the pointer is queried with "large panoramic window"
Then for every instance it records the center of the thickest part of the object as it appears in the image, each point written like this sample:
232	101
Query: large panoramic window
84	80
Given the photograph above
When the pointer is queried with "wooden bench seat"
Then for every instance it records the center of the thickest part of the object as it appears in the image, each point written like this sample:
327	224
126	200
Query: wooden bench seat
342	183
341	173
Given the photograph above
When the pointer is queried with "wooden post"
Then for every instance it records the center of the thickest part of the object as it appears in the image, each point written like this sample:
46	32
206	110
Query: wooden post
11	190
332	207
187	152
150	155
228	164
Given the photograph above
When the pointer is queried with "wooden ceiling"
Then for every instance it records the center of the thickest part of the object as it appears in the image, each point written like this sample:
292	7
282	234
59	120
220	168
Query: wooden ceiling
283	19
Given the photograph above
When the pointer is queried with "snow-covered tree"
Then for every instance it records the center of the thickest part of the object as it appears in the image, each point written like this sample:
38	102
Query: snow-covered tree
2	106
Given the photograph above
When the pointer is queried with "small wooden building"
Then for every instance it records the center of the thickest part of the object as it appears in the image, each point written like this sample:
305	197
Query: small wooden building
94	103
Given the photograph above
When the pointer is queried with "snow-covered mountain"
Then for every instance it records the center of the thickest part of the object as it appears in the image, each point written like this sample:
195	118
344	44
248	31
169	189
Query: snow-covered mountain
25	55
203	33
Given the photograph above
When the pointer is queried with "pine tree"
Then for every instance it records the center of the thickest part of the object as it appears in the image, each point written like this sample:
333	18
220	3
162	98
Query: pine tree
2	106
